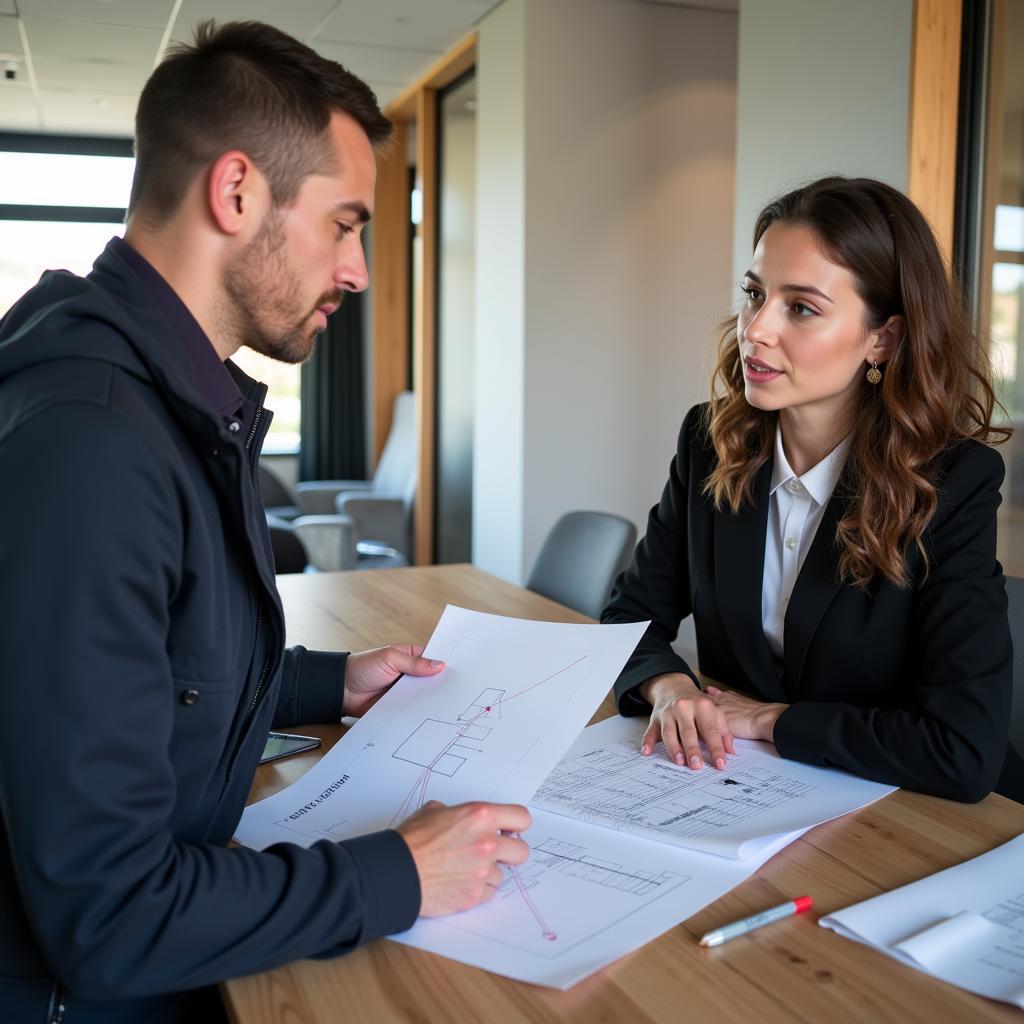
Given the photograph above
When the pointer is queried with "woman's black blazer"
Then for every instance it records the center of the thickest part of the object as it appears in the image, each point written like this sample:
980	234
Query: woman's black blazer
909	686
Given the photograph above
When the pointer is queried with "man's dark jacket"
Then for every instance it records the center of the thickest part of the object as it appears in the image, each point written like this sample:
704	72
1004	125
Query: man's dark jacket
142	663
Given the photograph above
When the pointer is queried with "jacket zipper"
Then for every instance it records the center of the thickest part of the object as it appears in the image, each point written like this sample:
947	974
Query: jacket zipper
254	429
55	1011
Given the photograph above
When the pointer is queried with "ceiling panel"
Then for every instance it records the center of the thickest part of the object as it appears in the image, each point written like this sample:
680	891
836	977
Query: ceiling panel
427	24
118	43
84	113
152	13
10	37
17	108
299	18
384	64
7	7
90	75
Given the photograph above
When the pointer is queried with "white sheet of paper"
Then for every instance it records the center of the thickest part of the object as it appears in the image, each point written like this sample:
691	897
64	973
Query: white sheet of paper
513	696
586	897
964	925
739	812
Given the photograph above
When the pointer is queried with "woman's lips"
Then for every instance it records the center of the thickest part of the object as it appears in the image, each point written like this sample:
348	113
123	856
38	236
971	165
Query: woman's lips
759	373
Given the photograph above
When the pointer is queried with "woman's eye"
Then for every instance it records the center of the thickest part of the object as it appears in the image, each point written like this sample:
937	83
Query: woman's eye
803	310
752	294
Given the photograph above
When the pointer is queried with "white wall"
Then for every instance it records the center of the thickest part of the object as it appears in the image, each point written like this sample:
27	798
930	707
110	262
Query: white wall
824	87
500	263
609	126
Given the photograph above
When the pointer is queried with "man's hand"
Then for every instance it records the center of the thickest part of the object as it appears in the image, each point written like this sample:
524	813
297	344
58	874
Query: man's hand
682	717
748	719
369	673
458	852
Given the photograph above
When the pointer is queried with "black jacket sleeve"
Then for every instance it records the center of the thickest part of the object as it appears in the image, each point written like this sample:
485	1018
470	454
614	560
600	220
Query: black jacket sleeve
656	585
119	906
312	687
950	740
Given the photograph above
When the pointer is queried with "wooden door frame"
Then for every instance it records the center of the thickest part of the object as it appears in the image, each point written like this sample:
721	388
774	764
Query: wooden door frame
391	274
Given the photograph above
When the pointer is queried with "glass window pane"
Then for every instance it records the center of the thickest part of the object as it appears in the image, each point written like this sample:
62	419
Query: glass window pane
1001	266
65	179
282	380
30	247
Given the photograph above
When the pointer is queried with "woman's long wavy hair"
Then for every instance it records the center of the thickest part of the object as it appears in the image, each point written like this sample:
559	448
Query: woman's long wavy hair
935	389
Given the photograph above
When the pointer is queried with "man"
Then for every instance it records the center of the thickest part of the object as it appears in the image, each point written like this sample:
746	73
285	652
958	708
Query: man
141	635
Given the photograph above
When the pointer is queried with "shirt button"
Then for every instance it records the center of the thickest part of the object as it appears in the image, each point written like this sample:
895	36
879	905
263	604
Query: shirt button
189	697
793	486
791	543
234	426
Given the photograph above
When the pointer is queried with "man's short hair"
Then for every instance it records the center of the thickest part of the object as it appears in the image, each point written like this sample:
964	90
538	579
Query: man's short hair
248	86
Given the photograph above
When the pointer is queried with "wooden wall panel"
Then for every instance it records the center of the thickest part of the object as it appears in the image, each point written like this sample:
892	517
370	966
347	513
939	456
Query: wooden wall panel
934	108
389	284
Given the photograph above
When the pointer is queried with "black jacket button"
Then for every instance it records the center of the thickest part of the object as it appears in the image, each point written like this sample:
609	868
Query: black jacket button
189	696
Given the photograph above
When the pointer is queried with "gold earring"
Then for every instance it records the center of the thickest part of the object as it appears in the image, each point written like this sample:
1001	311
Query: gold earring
874	374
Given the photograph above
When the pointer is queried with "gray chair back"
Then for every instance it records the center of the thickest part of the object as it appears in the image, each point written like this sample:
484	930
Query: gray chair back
397	465
580	559
289	554
277	499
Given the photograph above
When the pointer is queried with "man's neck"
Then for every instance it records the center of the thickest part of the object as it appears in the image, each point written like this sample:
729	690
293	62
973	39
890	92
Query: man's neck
189	271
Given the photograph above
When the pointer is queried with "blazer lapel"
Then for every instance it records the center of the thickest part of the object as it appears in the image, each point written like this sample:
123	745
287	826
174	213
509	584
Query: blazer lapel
739	572
815	587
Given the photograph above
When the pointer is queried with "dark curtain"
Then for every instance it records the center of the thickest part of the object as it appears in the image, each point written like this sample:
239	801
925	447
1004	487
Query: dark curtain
333	415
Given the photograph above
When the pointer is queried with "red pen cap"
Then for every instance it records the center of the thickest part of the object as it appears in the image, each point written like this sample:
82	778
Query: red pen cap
803	903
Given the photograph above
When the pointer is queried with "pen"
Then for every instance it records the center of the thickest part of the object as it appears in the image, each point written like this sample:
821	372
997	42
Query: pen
748	924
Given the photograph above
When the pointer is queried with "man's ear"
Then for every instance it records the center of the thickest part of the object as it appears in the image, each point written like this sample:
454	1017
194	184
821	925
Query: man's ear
236	193
887	339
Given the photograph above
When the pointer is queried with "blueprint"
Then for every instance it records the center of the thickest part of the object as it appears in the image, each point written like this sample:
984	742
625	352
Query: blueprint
757	800
585	897
513	696
964	925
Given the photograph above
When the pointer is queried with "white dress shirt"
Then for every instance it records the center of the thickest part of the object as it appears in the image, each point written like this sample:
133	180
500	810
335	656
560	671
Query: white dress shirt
796	506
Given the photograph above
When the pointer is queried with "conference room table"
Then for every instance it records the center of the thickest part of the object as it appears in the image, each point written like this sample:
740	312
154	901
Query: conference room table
787	972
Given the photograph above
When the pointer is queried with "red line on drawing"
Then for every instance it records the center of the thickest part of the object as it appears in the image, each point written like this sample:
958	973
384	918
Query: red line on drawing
545	931
416	797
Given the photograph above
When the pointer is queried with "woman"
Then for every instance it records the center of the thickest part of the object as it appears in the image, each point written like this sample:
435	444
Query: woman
830	516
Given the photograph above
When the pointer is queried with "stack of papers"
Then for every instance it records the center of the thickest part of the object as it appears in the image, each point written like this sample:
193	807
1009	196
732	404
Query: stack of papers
964	925
624	846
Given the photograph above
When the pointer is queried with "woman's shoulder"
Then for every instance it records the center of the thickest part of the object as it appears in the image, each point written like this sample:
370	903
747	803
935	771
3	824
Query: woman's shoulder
966	464
695	433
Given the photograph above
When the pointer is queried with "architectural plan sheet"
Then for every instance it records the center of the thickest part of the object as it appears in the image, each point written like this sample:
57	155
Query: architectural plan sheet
757	804
513	695
586	897
964	925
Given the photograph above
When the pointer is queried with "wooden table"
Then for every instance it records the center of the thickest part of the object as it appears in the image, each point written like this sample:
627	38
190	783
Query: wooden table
791	971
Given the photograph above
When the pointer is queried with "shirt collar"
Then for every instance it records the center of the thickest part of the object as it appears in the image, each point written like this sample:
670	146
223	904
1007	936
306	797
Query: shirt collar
215	384
820	480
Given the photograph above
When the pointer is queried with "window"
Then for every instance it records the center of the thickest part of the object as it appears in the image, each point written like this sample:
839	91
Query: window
63	200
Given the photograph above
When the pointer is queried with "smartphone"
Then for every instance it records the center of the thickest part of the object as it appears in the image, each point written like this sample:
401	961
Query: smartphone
281	744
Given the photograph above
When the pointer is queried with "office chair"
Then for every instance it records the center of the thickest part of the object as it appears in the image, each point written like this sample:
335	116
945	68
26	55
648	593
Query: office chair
289	554
580	558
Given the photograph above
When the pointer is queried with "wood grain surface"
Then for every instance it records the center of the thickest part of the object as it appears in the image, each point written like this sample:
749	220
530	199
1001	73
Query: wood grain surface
789	972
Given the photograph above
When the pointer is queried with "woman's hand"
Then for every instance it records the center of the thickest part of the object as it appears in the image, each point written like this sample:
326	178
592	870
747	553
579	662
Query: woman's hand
682	717
746	718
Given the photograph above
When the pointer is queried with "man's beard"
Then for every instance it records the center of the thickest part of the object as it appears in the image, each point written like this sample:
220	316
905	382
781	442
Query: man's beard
263	309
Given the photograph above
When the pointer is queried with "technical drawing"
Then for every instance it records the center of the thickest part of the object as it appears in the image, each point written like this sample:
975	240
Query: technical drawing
623	790
442	748
605	892
439	746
